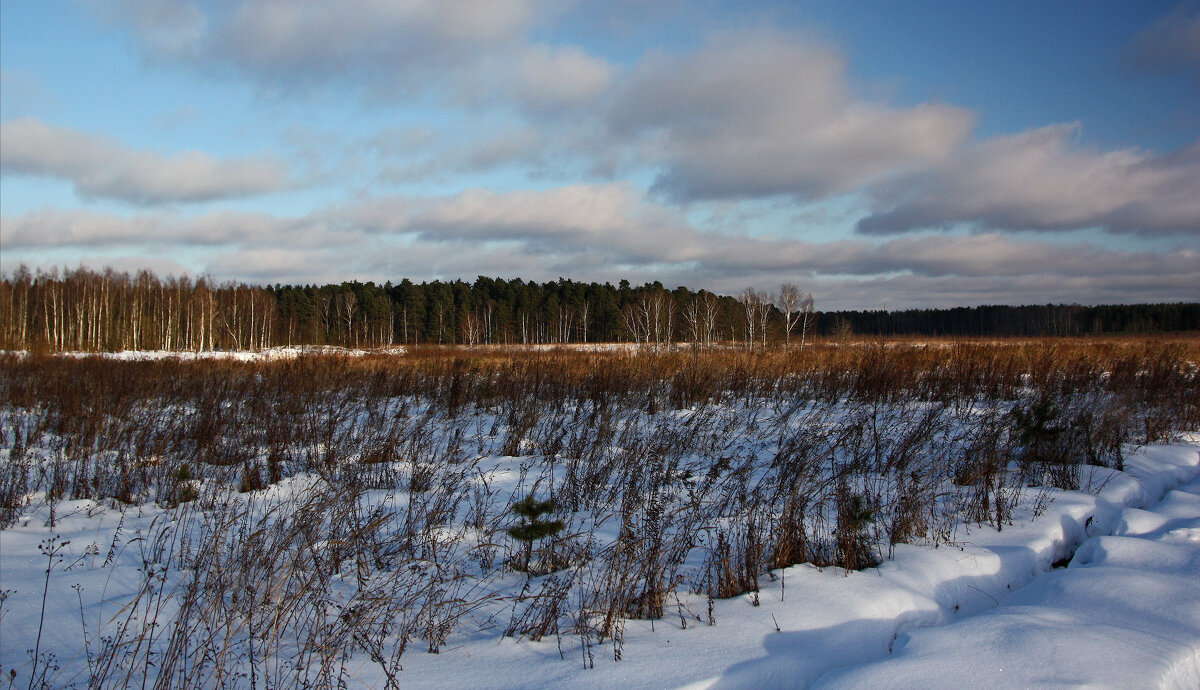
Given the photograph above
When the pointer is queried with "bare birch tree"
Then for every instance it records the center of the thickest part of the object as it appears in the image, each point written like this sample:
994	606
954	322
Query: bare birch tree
797	308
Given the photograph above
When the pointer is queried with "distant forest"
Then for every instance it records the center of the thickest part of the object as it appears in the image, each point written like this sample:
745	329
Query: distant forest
108	311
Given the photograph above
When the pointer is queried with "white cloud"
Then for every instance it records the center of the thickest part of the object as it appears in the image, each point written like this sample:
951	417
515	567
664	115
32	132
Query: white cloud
555	77
76	228
102	168
578	211
387	48
613	219
614	225
469	54
1044	180
760	113
289	40
64	229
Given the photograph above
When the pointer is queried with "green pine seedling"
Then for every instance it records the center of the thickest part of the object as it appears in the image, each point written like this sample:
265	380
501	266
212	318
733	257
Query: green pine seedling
532	527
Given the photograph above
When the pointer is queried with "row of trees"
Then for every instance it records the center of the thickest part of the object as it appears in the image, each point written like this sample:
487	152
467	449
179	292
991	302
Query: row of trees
90	311
106	311
1027	321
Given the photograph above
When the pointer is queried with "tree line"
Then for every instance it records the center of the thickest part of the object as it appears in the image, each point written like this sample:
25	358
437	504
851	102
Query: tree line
87	310
1024	321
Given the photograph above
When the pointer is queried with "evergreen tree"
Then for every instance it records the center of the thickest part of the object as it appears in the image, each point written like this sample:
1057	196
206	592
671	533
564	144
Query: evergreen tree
532	527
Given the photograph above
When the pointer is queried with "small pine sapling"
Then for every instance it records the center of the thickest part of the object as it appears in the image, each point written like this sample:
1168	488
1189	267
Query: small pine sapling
1041	436
532	527
1037	430
854	517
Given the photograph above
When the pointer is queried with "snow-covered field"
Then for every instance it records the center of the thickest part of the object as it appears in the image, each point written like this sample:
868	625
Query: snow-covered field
987	611
308	521
987	608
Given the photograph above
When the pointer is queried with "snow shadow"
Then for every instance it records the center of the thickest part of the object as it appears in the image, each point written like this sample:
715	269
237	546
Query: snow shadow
797	659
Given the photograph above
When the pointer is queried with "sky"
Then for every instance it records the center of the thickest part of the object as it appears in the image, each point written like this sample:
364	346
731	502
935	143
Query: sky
879	154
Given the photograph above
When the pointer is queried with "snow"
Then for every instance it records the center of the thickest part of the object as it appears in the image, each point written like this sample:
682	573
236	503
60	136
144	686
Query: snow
1124	614
269	354
987	609
829	622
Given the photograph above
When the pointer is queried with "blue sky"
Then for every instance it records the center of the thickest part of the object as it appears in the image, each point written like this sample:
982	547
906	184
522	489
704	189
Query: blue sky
879	154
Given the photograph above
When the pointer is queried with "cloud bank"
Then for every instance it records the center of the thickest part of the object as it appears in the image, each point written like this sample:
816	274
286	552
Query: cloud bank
100	168
1044	180
759	114
603	232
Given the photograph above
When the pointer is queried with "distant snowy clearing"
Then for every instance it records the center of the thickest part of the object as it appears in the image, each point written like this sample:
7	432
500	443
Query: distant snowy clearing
265	355
271	354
